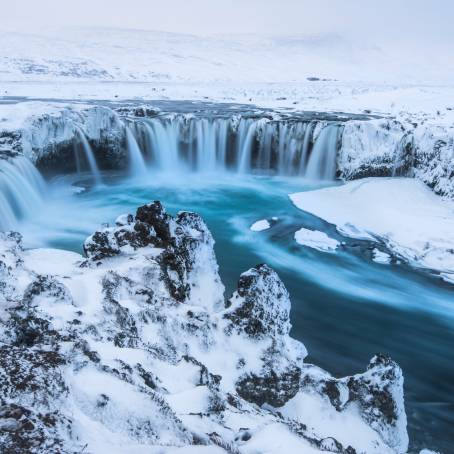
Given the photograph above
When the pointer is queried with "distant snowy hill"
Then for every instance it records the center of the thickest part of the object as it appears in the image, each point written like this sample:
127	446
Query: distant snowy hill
104	54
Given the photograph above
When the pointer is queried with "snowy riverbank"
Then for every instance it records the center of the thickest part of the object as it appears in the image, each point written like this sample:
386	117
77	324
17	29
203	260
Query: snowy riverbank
402	213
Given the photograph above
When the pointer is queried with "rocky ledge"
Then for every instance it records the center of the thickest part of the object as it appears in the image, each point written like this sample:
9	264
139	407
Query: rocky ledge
133	348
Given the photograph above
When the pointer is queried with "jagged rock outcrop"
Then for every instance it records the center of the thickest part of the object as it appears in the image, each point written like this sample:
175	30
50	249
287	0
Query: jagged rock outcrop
132	346
376	393
185	248
261	305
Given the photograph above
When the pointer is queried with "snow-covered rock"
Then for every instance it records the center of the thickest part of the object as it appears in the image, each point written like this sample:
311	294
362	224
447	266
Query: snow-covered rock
316	240
131	348
259	226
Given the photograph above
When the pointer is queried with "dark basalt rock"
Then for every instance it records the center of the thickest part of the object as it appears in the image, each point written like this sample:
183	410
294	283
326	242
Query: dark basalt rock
261	306
140	112
123	327
45	286
30	374
331	389
270	387
154	216
206	378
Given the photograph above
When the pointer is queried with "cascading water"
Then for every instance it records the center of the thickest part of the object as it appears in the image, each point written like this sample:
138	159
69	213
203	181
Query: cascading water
90	157
241	145
236	143
322	161
137	166
246	133
21	191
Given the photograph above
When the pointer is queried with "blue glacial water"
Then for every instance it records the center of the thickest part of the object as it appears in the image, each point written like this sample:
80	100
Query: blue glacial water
345	307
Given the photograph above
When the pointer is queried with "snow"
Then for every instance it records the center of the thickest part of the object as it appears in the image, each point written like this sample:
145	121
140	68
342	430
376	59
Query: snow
316	240
51	261
137	369
16	115
115	64
94	65
403	213
380	257
258	226
316	414
109	54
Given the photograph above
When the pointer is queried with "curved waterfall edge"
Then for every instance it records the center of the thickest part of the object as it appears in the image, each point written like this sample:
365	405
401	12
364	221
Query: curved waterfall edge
312	145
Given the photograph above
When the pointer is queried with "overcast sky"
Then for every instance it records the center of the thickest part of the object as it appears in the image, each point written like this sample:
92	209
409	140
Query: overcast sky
423	21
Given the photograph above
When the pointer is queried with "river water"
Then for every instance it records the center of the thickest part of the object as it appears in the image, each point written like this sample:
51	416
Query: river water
345	307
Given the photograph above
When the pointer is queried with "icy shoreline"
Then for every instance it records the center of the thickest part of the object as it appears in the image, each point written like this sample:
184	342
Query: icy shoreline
411	220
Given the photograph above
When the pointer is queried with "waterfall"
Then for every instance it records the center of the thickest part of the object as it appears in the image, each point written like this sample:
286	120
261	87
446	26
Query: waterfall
137	165
322	161
163	142
307	140
21	191
88	153
222	143
244	145
182	142
246	134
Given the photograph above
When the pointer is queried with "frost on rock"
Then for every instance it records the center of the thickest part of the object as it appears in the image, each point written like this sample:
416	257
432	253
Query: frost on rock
134	348
412	147
183	245
261	305
379	394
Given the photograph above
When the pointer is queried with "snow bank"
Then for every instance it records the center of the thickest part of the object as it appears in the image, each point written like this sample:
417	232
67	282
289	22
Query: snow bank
403	213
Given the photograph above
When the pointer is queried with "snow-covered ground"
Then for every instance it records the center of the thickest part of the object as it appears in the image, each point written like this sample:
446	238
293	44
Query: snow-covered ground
321	72
150	56
403	213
